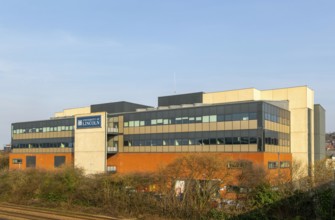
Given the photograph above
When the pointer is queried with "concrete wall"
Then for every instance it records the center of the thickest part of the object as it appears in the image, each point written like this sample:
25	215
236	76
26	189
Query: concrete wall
90	146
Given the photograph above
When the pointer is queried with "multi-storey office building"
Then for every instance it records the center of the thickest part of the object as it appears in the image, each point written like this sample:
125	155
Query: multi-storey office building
265	127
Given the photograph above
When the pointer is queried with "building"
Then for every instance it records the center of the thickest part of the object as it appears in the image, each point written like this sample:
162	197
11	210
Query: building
6	147
267	128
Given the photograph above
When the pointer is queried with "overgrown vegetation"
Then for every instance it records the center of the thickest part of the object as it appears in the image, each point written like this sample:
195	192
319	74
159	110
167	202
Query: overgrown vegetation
4	160
205	194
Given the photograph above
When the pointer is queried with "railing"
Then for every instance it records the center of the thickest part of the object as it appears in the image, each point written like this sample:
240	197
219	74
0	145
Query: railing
112	130
43	150
111	149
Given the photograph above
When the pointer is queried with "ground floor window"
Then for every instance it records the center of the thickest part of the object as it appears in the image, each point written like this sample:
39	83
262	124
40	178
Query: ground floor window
272	165
17	161
31	161
59	161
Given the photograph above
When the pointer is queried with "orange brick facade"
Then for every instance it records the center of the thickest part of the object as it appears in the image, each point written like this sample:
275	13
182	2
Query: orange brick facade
43	160
150	162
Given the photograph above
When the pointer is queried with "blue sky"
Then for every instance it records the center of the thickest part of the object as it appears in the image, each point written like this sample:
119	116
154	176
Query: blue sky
62	54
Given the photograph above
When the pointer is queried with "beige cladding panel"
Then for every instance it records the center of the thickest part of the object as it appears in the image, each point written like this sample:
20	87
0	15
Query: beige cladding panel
299	141
43	135
90	146
73	112
299	120
121	124
231	96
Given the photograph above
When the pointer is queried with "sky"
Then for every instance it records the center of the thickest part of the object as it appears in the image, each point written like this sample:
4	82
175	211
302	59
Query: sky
72	53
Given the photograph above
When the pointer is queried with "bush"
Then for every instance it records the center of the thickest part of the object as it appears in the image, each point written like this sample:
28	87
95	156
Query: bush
4	161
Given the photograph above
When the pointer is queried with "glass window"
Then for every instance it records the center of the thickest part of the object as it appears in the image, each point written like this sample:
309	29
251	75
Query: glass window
272	165
244	140
252	116
236	140
237	117
136	123
59	161
184	120
153	121
220	118
228	140
166	121
245	116
142	123
191	142
212	141
205	118
228	117
198	119
125	124
131	123
220	141
178	120
212	118
17	161
284	164
191	119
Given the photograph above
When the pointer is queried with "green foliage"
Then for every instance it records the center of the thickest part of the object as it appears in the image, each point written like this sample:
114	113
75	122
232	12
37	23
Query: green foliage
264	195
324	202
129	195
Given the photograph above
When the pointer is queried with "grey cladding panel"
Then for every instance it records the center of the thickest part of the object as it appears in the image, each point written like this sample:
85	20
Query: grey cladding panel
190	98
117	107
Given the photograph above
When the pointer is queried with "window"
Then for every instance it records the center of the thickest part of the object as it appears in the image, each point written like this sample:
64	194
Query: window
198	119
59	161
272	165
17	161
284	164
131	124
205	118
212	118
239	164
31	161
111	169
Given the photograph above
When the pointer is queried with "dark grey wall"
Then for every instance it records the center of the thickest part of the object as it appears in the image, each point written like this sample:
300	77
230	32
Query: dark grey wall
319	132
190	98
117	107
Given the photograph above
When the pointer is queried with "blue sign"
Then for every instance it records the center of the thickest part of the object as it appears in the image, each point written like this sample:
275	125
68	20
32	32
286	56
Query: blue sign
89	122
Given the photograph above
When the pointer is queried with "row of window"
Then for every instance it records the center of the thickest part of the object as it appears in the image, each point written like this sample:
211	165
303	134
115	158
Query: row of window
31	161
275	164
276	118
43	130
190	120
189	141
44	145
